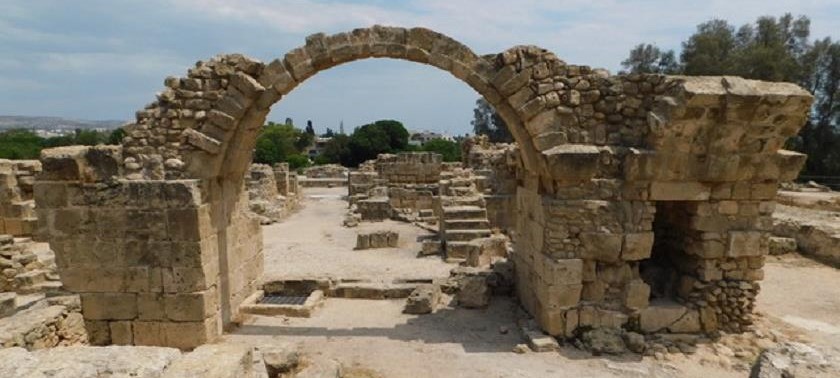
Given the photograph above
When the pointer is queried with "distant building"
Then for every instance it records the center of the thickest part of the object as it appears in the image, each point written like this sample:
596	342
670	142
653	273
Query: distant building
318	147
423	137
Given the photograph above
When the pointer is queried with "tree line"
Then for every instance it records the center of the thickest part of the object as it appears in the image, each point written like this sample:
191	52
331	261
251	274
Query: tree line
26	144
287	143
773	49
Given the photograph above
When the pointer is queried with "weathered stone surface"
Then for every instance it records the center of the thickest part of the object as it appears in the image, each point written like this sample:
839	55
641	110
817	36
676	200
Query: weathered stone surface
213	361
659	316
280	360
604	341
423	300
87	362
792	359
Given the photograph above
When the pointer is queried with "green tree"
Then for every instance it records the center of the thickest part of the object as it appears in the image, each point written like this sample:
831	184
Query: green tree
647	58
486	121
116	136
20	144
336	151
710	50
277	142
450	150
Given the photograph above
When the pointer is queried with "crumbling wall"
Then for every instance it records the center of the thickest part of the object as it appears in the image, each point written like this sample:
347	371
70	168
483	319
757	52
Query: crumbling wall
17	208
264	197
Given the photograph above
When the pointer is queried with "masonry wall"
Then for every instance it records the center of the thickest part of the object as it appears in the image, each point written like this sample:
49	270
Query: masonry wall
17	208
155	262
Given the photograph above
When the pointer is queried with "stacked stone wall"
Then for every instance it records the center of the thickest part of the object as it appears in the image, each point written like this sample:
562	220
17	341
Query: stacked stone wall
145	256
17	208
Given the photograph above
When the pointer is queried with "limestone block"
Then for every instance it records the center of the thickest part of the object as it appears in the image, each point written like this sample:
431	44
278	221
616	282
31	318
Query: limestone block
151	306
98	331
679	191
746	243
572	162
423	300
688	323
473	291
562	272
121	333
559	296
637	246
659	316
191	306
109	306
636	295
601	246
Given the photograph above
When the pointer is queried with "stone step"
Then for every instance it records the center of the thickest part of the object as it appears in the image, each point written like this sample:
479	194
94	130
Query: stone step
471	200
466	235
24	301
46	287
464	212
372	290
467	224
457	251
31	278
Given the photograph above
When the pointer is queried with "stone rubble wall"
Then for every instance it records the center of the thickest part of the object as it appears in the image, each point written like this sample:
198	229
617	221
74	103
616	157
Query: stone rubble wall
264	198
496	165
326	171
44	326
17	208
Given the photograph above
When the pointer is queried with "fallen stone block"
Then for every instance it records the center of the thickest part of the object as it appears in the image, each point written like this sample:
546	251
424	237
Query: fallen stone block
377	239
280	360
659	316
423	300
473	288
540	342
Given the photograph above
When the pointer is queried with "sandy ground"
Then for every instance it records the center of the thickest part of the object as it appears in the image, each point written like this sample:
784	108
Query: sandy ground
312	243
799	299
803	294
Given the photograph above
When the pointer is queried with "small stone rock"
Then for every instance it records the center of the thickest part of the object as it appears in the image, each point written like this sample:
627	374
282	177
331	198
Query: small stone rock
604	341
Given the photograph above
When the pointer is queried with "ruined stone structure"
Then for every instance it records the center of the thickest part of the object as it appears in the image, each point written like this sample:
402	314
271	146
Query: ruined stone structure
264	196
17	208
621	178
326	176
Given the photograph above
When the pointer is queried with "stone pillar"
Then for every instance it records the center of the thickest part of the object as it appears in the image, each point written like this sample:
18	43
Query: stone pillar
153	261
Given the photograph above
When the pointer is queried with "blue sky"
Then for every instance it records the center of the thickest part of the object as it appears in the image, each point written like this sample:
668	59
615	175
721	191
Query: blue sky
104	59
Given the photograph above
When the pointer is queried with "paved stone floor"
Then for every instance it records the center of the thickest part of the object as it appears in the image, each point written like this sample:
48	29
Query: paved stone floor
312	243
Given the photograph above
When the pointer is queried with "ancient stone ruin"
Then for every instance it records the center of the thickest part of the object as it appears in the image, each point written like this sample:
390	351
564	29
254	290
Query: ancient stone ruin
635	201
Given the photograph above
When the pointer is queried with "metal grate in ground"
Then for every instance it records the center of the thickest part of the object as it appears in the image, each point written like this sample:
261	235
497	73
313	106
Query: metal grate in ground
276	299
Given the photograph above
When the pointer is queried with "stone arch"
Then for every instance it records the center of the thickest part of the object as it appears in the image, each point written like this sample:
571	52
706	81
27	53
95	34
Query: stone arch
153	235
205	125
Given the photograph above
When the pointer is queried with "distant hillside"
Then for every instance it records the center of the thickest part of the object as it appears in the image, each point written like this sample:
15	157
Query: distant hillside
53	123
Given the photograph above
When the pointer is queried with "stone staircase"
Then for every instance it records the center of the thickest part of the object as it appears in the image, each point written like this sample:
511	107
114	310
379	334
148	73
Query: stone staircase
463	219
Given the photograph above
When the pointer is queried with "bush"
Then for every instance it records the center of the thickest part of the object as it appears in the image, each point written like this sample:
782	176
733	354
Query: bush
450	150
297	161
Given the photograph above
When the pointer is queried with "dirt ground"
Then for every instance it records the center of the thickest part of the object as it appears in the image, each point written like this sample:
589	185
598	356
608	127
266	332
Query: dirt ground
800	300
312	243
